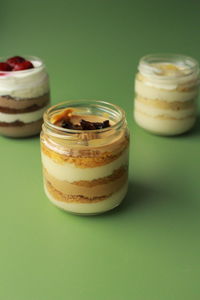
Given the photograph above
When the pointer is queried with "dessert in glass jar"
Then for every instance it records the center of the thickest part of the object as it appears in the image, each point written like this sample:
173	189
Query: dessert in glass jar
166	89
24	95
84	147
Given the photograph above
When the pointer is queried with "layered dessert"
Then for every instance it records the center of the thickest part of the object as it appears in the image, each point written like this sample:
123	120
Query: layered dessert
24	96
166	94
85	160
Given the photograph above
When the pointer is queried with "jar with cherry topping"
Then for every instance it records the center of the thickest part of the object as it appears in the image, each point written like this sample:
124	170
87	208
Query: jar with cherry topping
24	95
84	148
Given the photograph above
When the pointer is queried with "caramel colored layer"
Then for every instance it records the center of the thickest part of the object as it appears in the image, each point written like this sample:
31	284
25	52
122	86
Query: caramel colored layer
28	129
176	105
9	103
93	188
59	196
86	158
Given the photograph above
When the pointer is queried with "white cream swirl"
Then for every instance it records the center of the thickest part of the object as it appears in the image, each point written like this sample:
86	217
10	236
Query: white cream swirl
168	76
27	84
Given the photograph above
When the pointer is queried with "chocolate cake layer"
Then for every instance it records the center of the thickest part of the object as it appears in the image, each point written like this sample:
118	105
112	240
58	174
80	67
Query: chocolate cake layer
8	102
22	110
13	124
22	130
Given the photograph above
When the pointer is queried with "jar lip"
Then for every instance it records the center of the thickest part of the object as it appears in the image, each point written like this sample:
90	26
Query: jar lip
97	103
28	57
189	62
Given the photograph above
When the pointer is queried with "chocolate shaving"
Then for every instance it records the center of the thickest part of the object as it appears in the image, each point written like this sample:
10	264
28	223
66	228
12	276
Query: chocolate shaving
85	125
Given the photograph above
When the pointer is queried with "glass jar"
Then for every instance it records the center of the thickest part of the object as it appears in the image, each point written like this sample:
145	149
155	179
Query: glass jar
86	171
166	88
24	97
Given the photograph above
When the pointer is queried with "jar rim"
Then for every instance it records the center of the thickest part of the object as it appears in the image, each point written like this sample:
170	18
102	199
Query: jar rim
28	57
74	103
189	62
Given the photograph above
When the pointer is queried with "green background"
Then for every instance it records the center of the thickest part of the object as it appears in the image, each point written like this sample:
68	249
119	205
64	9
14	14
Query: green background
149	248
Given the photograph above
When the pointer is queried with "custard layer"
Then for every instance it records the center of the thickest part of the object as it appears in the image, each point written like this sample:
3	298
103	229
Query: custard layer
176	105
163	126
164	113
164	116
153	93
73	172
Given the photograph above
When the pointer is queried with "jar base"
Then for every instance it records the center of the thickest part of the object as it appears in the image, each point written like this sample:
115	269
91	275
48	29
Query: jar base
164	127
89	209
27	130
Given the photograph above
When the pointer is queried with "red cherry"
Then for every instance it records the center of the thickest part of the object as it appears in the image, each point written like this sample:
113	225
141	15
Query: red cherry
5	67
23	66
15	60
3	74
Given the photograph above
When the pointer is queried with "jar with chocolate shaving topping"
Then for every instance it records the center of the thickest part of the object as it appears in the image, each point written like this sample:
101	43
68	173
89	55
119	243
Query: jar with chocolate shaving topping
166	89
84	148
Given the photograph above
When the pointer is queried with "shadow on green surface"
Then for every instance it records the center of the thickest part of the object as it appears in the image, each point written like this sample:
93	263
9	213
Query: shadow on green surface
138	195
195	132
34	137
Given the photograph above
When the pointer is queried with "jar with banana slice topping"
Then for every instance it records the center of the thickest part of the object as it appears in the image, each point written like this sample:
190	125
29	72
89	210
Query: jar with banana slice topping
166	88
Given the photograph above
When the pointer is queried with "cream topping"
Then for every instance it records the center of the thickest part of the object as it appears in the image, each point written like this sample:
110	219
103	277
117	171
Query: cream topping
168	76
25	117
25	84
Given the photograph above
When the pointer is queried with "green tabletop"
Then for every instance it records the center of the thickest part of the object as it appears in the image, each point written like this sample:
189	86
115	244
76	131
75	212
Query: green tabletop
147	249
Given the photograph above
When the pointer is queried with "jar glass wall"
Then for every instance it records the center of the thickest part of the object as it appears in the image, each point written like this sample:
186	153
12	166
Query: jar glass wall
85	171
24	97
166	88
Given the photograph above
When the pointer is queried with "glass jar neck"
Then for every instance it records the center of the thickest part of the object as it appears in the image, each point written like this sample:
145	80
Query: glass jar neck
169	68
99	110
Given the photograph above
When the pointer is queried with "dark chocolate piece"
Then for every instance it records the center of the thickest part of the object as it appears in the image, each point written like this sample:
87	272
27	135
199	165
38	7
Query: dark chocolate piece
67	124
85	125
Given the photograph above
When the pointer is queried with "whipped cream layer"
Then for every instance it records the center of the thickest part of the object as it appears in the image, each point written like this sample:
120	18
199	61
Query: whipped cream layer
167	75
151	92
71	173
93	207
26	83
163	126
26	117
156	112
